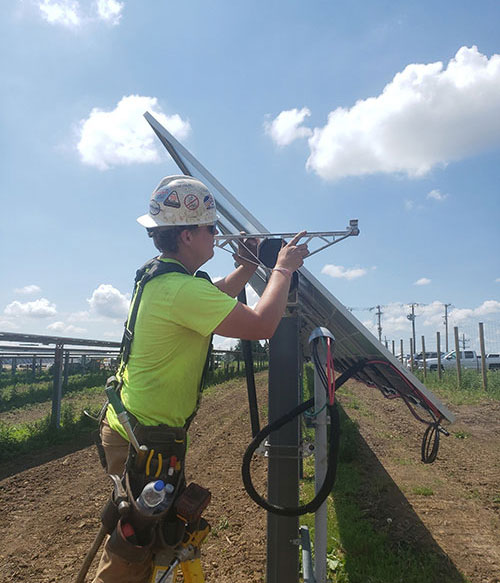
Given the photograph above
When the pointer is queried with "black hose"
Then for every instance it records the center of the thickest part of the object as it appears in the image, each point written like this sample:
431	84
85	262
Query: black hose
329	480
246	347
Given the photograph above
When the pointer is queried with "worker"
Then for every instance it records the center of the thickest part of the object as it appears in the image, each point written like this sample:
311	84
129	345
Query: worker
177	315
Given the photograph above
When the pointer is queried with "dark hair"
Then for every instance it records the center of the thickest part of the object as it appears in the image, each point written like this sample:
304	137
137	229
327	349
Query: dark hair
166	239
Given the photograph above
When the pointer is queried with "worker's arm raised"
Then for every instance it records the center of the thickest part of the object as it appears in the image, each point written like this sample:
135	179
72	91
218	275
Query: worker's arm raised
246	256
261	322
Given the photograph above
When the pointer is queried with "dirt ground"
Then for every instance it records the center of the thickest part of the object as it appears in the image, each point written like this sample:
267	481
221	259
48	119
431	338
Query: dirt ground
51	502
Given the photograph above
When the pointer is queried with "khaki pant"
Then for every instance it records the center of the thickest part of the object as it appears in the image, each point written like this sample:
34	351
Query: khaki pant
113	569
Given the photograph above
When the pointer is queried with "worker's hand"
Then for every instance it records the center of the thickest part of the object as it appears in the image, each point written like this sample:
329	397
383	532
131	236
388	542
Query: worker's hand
247	252
291	255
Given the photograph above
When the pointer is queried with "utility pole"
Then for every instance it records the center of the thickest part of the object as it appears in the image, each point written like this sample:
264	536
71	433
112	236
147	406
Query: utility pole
379	314
412	317
446	306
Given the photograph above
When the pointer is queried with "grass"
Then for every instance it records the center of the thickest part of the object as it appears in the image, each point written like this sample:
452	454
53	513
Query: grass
37	435
471	389
359	551
20	438
21	394
423	491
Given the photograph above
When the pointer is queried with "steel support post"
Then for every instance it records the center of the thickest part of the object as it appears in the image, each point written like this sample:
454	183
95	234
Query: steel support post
320	468
55	419
66	370
285	363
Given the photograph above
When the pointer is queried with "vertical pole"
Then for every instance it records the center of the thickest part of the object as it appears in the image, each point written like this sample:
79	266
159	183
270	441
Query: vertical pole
55	419
320	463
401	347
33	367
379	327
483	356
307	567
283	468
66	369
13	365
457	354
446	306
424	360
411	355
393	348
438	348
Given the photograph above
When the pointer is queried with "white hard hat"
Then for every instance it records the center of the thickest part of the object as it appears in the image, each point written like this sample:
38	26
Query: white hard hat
180	200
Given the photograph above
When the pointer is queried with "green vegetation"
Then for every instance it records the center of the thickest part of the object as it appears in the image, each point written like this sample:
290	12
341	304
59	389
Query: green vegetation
471	389
20	394
36	435
360	546
423	491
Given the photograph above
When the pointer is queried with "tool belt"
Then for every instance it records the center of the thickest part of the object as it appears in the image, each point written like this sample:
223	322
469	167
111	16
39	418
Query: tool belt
163	460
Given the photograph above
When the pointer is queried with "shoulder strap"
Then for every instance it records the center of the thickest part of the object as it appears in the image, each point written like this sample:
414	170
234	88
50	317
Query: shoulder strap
153	268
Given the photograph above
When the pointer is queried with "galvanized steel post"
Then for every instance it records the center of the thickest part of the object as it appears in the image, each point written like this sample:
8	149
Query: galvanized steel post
283	470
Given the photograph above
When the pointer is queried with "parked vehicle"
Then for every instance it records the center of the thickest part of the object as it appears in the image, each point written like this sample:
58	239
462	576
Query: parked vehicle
468	359
418	359
493	361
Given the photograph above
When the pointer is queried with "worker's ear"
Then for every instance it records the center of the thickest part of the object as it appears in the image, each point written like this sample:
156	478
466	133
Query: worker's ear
186	236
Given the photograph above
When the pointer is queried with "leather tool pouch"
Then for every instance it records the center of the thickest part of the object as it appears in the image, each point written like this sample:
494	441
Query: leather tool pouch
164	460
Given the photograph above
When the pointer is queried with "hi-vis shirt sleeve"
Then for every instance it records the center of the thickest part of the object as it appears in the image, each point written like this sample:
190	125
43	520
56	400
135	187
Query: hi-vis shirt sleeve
200	306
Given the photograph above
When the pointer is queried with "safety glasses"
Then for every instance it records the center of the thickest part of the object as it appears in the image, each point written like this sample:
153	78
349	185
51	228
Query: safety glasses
212	229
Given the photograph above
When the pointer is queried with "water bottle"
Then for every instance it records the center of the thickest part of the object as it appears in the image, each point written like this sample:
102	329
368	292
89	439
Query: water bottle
169	490
151	497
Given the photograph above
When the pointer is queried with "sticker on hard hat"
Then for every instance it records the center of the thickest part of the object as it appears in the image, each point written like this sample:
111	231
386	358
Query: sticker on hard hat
191	202
154	208
209	202
172	200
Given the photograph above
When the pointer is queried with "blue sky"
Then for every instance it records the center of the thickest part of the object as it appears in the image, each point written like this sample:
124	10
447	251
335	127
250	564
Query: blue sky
311	114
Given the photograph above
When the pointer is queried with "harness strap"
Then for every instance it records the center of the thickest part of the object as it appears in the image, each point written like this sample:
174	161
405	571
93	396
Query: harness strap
153	268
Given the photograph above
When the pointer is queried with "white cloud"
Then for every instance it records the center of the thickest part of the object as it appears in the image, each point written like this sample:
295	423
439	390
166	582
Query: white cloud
61	327
62	12
423	281
338	271
426	116
223	343
437	195
109	11
6	324
430	319
27	289
41	308
109	302
286	127
73	13
122	136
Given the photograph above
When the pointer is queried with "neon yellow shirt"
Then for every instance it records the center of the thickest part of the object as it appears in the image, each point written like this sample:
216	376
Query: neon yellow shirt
176	316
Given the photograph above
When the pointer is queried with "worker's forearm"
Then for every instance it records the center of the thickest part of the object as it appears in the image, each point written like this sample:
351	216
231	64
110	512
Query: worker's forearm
233	283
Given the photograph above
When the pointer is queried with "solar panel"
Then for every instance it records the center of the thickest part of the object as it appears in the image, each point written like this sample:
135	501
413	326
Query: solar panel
357	351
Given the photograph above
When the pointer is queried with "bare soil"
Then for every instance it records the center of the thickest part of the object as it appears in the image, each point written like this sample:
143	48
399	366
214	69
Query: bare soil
51	501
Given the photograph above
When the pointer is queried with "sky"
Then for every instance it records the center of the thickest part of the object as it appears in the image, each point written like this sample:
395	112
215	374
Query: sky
310	113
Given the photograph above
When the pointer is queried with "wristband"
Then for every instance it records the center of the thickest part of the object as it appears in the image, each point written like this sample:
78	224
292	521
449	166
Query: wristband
283	270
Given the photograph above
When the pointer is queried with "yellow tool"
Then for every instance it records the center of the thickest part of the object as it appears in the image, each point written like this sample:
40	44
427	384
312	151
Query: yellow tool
148	463
187	556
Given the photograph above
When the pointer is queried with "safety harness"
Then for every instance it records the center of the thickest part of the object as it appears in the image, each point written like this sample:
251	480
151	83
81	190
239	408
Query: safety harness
151	269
